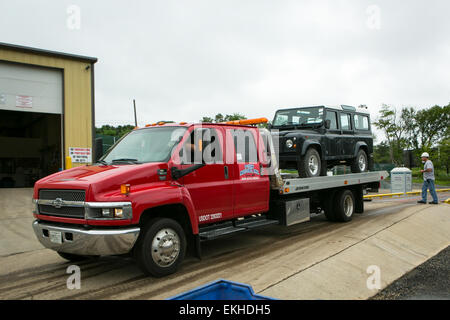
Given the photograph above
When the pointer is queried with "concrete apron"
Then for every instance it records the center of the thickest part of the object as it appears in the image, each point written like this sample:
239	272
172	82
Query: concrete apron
415	235
16	218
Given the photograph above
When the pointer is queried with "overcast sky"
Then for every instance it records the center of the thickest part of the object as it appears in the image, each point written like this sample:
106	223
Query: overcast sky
182	60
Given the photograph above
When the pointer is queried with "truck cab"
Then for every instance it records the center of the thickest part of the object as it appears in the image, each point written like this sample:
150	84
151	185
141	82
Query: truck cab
151	192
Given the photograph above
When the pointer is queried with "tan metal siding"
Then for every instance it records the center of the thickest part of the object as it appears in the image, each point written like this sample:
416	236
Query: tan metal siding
77	94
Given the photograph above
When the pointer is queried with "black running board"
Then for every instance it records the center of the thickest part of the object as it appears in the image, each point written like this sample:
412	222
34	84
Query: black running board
232	227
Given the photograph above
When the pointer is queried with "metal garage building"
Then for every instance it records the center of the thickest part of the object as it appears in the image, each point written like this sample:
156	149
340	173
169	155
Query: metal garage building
46	113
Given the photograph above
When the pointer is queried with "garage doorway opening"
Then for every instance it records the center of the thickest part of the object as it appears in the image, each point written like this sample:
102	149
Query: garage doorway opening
30	147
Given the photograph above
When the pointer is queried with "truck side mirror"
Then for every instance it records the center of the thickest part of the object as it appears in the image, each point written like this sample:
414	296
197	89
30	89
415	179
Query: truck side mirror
327	124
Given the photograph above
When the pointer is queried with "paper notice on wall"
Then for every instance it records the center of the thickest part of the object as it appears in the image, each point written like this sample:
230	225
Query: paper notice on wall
80	155
24	102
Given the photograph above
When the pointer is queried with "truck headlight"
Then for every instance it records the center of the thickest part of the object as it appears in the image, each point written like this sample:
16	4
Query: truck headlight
112	213
108	210
289	143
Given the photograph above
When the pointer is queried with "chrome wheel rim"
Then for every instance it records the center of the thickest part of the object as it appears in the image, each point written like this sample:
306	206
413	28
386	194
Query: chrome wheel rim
348	206
313	165
165	247
362	163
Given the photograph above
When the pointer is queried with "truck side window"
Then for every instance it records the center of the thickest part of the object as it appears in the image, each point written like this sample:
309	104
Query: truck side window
202	146
332	116
345	121
212	150
245	146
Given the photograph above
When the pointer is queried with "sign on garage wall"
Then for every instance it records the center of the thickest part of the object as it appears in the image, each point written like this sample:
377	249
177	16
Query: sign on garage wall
80	155
24	102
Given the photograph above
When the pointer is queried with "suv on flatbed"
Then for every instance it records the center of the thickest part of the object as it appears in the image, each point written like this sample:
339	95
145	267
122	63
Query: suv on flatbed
313	139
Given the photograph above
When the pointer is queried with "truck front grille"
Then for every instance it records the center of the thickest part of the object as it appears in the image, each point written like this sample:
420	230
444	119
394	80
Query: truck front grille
62	210
69	212
67	195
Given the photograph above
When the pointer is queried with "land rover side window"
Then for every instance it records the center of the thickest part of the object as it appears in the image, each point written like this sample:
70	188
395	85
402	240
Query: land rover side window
361	122
332	116
346	121
245	146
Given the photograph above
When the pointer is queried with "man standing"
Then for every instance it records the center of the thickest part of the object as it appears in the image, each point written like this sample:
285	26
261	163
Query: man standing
428	179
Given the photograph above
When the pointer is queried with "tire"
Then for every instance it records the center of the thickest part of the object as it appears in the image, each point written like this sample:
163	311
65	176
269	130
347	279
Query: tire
150	254
361	162
344	205
74	257
310	165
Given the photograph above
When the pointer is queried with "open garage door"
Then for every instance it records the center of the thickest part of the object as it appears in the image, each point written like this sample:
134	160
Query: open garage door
31	108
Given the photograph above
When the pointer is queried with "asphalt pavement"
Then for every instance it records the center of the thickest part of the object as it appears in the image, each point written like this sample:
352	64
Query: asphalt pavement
428	281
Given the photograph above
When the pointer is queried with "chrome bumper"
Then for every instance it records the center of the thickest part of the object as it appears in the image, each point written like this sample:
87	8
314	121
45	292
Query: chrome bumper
87	242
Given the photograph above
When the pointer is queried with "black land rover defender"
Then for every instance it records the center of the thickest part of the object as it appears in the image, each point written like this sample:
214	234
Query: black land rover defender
313	139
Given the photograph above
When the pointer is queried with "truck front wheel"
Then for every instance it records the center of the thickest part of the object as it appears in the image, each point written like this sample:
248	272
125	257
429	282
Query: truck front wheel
161	247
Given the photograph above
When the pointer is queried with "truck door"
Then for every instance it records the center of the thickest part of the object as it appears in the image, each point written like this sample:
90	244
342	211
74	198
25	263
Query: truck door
250	188
210	187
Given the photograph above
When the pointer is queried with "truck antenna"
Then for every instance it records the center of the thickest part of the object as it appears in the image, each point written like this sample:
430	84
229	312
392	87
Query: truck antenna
135	117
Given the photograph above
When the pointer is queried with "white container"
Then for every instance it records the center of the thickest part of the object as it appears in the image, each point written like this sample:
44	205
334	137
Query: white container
401	180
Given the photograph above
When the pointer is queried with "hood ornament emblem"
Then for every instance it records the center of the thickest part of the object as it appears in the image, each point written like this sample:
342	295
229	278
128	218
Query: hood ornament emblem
57	203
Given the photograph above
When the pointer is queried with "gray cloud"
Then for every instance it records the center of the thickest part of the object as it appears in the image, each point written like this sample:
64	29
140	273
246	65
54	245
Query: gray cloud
182	60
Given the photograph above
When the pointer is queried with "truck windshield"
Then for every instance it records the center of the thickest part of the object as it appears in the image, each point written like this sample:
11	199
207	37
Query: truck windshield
300	116
146	145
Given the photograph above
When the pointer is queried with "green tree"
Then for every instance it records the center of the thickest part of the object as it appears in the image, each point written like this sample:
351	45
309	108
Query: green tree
393	126
117	132
221	118
432	126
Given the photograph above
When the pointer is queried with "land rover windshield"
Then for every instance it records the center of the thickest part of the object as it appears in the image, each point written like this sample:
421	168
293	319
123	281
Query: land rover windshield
145	145
299	117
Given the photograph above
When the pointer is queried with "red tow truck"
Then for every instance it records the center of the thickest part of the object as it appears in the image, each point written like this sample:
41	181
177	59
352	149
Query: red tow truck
167	187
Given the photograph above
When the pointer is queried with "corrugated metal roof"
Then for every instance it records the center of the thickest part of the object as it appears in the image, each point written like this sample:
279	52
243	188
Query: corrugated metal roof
47	52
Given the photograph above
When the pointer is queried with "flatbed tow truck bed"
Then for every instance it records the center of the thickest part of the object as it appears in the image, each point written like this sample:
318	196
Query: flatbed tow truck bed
294	200
292	185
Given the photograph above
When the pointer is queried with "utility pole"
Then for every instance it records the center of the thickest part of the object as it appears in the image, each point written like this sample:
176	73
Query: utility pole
135	117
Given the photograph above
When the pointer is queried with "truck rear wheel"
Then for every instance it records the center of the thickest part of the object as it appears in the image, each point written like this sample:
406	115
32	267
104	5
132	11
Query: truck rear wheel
161	247
344	205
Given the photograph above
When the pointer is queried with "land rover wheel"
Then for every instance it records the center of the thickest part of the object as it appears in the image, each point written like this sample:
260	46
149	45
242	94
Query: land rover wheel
361	163
161	247
310	165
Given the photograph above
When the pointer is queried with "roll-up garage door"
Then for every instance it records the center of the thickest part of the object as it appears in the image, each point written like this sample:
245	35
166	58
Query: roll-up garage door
31	89
31	107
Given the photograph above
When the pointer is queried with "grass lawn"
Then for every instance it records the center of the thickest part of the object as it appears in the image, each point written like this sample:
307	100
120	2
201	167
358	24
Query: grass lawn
442	178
